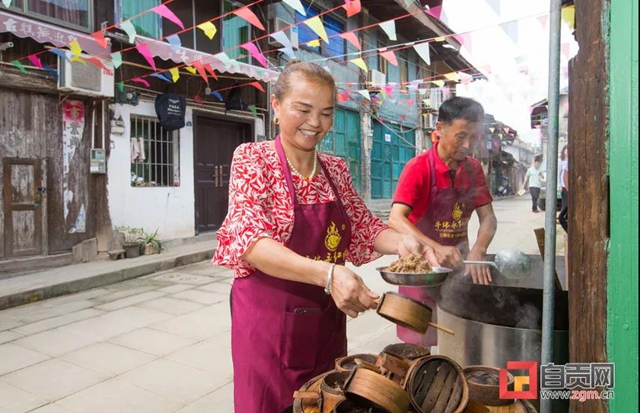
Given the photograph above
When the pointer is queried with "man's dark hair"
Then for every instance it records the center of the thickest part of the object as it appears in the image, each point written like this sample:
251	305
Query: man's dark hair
538	158
460	108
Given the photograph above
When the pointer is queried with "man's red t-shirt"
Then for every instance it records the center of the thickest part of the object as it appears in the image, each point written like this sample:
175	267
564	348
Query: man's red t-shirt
414	186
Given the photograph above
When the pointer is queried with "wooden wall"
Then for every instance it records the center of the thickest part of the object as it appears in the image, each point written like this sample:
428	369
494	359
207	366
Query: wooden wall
31	127
588	192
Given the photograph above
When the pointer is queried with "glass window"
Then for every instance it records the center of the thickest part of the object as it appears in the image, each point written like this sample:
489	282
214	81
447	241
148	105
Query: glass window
149	24
235	31
155	154
72	13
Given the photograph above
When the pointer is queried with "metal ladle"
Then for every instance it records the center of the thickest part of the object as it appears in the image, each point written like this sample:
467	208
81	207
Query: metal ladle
510	263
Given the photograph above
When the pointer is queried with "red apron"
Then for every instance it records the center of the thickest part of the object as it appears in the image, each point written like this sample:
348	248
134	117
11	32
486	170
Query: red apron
284	333
445	221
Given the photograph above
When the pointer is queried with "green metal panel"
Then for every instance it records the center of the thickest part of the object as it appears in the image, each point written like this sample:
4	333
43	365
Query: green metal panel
390	151
344	141
622	277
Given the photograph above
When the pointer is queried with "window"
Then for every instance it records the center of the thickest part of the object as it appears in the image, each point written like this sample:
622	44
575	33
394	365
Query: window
382	62
235	31
335	47
154	154
404	69
149	24
72	13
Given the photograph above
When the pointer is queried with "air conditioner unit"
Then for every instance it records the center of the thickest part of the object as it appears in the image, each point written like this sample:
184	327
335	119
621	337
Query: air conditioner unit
85	78
278	25
376	78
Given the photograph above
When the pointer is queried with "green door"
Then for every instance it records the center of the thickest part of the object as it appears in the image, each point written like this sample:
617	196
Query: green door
390	151
344	141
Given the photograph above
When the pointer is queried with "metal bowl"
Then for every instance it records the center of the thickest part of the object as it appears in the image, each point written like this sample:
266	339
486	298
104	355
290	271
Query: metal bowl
432	279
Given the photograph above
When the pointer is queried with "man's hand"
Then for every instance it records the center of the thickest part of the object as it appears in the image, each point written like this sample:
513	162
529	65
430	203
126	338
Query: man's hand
480	273
448	256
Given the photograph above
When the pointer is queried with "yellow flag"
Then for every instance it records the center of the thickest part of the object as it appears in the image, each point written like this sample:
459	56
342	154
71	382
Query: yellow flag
438	83
175	74
453	76
314	43
75	47
209	29
360	63
569	15
316	25
191	70
439	39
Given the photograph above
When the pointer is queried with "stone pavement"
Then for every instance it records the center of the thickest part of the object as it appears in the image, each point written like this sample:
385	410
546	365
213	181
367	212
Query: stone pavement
161	342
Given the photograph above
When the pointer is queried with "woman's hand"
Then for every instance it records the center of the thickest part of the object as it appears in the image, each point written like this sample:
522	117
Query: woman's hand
350	293
450	257
410	244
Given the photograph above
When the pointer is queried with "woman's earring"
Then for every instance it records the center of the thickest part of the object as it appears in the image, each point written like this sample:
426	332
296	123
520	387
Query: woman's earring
276	121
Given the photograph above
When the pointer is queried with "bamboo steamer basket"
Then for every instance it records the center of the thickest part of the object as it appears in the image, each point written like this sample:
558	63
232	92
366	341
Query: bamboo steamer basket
404	312
378	390
332	390
349	363
487	394
307	398
407	351
437	384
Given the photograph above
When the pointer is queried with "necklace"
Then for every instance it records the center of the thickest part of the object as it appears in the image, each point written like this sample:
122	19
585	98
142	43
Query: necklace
313	172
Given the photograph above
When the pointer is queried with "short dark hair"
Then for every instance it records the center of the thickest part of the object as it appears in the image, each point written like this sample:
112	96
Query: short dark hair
460	108
538	158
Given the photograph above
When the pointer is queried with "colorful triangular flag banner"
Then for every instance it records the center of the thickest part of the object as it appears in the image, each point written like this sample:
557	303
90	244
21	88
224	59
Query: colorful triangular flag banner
352	38
423	51
100	39
143	48
389	28
35	60
360	63
75	47
174	41
253	49
127	26
352	7
365	94
258	86
116	59
19	65
296	5
164	11
209	29
318	28
139	80
390	56
249	16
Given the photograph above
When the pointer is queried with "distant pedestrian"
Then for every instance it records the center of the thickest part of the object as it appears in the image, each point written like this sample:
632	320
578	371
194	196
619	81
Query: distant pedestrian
563	185
535	177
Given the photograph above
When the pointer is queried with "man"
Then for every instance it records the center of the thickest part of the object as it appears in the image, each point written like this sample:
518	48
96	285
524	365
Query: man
436	196
535	177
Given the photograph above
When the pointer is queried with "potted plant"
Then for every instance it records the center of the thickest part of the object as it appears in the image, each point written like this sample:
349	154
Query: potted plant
132	240
152	245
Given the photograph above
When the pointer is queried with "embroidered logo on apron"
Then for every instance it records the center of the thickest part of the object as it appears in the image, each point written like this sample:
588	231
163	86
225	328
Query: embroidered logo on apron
333	237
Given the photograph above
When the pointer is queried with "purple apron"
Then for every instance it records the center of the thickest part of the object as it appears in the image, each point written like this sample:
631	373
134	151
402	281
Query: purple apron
284	333
445	221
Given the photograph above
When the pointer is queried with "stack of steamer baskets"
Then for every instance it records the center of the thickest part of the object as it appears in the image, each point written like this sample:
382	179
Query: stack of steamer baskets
403	378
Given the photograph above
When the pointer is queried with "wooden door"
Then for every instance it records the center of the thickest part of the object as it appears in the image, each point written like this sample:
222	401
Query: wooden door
215	141
22	207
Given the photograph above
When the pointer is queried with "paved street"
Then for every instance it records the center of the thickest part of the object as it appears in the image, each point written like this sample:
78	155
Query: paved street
161	343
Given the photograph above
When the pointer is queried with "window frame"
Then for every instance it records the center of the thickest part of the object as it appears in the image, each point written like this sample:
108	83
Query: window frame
119	15
174	162
24	10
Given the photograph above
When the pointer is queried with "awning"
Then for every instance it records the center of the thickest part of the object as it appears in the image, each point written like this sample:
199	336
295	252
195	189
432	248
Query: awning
219	62
46	33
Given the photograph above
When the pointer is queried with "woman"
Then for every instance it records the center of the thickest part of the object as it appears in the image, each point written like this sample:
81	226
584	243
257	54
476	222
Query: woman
563	185
294	219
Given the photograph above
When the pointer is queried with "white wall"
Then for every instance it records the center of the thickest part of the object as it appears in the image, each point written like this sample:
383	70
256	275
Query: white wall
169	209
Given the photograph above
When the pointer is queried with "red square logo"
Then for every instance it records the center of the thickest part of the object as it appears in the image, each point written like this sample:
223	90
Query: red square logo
524	387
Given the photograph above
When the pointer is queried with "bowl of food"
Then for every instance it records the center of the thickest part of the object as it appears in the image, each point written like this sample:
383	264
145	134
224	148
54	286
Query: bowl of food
413	271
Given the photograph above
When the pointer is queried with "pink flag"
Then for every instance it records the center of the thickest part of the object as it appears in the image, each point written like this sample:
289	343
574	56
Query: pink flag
35	60
197	99
352	7
249	16
164	11
251	48
464	39
146	53
100	39
257	85
209	69
352	38
201	70
389	89
139	80
435	11
403	117
342	97
390	56
97	62
410	102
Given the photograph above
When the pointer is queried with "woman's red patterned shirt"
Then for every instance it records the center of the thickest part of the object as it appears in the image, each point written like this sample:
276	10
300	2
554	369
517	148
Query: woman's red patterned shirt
260	206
